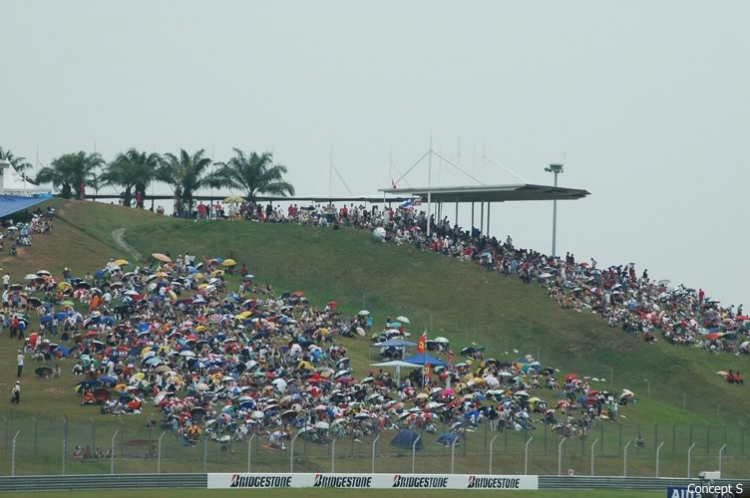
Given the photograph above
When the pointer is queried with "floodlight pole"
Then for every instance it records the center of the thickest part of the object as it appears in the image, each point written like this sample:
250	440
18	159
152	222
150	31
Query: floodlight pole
291	453
556	169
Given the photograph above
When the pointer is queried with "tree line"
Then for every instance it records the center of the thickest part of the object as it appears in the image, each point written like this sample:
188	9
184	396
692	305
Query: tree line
133	171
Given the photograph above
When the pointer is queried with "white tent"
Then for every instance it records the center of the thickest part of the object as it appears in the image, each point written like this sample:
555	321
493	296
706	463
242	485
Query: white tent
398	365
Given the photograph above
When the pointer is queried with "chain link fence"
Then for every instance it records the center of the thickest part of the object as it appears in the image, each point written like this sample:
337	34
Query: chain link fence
57	446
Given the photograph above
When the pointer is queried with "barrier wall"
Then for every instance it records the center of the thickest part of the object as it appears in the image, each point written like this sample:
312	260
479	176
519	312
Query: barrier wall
389	481
372	481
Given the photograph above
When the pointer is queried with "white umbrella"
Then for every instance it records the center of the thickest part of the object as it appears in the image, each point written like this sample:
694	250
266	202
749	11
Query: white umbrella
442	340
322	426
258	415
187	354
364	313
31	276
43	272
379	234
403	319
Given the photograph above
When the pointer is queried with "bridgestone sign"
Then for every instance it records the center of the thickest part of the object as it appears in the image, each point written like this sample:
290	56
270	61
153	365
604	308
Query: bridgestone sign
371	481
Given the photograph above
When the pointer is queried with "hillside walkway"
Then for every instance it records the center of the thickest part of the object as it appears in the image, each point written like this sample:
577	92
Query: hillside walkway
118	235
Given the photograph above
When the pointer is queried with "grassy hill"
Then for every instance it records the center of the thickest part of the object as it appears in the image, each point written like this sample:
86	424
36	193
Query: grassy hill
674	386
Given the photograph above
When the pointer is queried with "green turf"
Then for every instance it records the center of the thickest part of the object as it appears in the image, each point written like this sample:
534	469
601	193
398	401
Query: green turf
446	297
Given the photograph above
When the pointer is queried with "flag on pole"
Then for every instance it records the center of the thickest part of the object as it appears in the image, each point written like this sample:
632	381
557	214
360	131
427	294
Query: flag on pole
393	184
449	357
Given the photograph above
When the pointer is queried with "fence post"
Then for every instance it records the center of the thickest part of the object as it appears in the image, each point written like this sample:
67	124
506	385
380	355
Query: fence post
625	460
158	453
5	450
491	444
742	441
414	454
620	424
592	457
36	433
333	456
545	439
112	456
453	455
13	456
526	457
721	454
205	454
601	436
690	450
65	442
373	453
291	452
93	435
250	453
658	449
674	443
559	456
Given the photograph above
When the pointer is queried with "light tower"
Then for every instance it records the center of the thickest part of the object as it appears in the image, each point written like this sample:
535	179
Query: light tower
556	169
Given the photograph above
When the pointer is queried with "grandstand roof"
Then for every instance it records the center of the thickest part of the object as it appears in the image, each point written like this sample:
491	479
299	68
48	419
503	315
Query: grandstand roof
492	193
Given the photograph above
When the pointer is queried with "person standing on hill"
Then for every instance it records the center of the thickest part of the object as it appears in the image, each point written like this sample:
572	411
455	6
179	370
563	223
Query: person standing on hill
19	361
6	280
15	396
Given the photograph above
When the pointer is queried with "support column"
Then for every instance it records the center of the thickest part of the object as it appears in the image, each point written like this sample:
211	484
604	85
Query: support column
481	217
429	213
455	220
472	215
489	204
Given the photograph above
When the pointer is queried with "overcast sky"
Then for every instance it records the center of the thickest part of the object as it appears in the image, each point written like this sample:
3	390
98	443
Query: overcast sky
649	102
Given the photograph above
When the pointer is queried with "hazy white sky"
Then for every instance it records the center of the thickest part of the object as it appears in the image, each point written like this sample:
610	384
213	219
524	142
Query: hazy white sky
648	99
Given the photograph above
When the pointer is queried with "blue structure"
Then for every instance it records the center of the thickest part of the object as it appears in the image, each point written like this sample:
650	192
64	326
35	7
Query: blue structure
10	204
425	359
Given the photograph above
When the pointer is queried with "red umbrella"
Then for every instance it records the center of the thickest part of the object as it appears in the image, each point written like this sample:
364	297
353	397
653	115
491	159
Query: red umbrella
92	333
713	336
570	377
332	304
298	293
593	393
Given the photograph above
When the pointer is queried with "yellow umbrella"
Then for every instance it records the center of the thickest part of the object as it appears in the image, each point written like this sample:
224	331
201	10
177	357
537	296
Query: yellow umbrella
64	285
200	328
121	262
229	262
161	274
234	199
216	273
161	257
243	315
199	276
144	351
202	286
120	387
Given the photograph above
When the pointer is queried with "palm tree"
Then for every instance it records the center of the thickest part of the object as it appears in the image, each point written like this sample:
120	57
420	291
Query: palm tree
20	164
252	174
184	174
69	171
133	171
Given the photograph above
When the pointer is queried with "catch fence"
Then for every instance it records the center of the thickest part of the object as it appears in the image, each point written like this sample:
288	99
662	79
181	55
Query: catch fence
35	445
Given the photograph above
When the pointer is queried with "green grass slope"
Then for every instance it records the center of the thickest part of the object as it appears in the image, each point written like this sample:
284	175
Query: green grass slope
441	295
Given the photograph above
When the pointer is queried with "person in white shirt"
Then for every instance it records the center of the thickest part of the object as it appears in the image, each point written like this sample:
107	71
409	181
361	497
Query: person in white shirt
19	360
6	280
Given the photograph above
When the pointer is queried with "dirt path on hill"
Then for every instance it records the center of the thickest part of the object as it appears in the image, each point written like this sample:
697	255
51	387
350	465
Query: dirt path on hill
118	235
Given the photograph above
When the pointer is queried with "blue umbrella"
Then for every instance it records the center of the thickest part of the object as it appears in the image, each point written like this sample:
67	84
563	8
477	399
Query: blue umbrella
63	350
46	319
108	380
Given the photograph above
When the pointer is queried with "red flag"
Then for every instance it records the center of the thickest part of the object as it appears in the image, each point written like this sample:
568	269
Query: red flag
422	343
427	371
